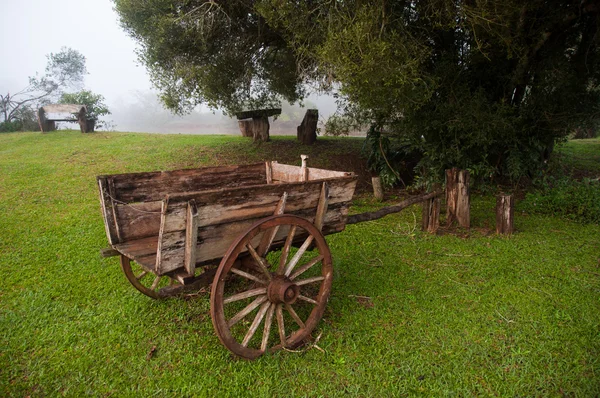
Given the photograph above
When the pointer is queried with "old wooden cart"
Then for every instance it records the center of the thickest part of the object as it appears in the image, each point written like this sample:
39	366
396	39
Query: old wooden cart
255	231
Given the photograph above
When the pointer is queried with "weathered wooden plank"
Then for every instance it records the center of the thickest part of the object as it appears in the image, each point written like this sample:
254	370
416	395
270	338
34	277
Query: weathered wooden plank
268	236
139	220
109	252
63	108
191	237
257	113
107	212
322	206
269	172
288	173
217	207
154	186
138	248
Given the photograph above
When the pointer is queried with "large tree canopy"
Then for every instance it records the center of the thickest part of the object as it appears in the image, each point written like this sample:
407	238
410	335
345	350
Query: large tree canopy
488	85
220	53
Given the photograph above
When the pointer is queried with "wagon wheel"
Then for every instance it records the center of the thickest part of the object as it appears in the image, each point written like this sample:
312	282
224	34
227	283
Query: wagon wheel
144	281
277	302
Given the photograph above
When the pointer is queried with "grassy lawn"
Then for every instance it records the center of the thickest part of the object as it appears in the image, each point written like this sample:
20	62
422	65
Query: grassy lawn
410	313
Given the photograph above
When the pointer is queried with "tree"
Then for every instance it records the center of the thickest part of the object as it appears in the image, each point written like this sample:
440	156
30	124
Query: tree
486	85
64	70
223	54
95	106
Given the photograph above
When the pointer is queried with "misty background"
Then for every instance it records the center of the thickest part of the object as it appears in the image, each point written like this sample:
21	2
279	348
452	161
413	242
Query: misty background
31	29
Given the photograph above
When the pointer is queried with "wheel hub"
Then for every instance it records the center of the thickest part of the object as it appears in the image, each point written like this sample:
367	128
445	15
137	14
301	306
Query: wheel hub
282	290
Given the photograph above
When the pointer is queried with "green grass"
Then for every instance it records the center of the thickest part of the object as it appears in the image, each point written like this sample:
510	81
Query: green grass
581	156
410	313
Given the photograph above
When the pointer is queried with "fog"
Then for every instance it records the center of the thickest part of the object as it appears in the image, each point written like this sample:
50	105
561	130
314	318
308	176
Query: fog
143	112
31	29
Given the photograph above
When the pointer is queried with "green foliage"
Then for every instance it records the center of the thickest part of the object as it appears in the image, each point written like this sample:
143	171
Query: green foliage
94	103
572	199
220	53
383	159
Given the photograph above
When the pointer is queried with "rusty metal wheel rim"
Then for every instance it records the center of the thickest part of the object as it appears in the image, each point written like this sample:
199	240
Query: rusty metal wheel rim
276	297
136	278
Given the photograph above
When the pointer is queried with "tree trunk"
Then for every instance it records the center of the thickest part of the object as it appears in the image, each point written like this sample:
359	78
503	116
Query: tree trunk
307	131
505	214
260	129
257	128
458	197
377	188
246	128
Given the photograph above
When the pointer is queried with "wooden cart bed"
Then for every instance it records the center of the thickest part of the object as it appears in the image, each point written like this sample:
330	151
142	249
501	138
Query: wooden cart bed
172	221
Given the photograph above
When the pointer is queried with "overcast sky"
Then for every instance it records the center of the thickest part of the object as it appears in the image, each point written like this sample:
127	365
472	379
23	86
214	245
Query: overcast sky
30	29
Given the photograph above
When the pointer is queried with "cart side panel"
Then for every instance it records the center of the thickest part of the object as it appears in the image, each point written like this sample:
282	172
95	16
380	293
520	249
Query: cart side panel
224	214
154	186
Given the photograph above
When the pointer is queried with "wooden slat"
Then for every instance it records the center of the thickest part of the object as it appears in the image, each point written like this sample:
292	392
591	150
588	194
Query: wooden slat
191	237
139	220
269	172
148	187
322	206
268	236
288	173
107	212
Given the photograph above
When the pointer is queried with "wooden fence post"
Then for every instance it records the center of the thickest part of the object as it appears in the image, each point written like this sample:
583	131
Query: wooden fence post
505	214
431	215
458	199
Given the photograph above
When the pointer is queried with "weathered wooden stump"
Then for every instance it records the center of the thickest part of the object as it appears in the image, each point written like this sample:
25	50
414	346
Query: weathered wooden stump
458	197
307	131
431	213
257	126
505	214
377	188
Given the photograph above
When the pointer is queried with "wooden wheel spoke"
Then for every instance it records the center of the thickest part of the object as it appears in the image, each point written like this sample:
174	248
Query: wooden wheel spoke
267	329
306	267
295	316
155	283
140	276
310	280
290	267
257	320
286	250
248	276
248	309
307	299
267	240
262	263
245	295
281	324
